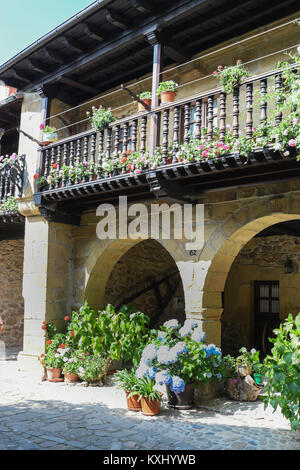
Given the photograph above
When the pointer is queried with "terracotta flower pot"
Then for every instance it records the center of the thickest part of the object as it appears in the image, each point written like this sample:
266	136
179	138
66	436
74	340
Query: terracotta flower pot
53	373
141	107
150	407
71	378
167	97
133	403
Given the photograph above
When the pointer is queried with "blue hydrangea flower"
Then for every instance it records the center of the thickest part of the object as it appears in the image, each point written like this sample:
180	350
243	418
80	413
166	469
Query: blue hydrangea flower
141	371
180	348
190	323
151	372
184	331
163	354
171	323
149	353
161	335
198	336
177	384
163	378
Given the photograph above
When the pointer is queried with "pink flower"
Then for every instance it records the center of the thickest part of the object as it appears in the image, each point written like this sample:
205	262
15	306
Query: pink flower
220	67
204	153
220	144
292	143
295	121
137	172
226	147
42	127
215	72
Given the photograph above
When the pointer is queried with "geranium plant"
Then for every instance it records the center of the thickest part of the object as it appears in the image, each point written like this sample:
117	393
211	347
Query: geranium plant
232	76
100	117
169	85
55	352
145	95
92	369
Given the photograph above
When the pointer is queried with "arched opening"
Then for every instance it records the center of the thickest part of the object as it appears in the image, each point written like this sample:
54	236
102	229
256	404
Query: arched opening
262	288
142	274
253	280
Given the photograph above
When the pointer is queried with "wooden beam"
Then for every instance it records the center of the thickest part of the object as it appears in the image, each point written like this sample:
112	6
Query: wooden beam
174	49
18	76
37	66
79	85
144	6
93	32
53	55
115	19
72	44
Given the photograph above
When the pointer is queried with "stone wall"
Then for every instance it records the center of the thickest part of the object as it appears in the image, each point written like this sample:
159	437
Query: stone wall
137	269
11	300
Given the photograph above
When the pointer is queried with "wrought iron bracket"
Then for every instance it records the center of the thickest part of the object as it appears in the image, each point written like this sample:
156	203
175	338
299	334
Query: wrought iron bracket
15	173
136	98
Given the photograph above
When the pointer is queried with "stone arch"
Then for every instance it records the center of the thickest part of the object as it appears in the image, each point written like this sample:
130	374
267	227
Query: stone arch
104	256
221	249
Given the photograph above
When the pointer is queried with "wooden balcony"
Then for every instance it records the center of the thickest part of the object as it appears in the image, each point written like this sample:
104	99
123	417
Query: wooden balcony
103	156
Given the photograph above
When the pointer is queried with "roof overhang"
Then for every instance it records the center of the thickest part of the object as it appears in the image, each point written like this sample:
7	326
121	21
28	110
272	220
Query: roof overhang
106	43
10	111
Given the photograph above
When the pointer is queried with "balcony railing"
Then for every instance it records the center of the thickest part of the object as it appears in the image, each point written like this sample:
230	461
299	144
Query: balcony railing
108	153
11	187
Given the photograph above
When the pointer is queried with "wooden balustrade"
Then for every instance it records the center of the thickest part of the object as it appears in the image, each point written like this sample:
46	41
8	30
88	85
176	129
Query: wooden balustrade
104	153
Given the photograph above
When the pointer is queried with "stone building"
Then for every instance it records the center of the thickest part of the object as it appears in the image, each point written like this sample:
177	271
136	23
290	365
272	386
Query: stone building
244	278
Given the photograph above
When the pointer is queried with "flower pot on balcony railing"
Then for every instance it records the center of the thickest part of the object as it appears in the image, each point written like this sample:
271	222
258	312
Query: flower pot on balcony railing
167	91
49	135
145	97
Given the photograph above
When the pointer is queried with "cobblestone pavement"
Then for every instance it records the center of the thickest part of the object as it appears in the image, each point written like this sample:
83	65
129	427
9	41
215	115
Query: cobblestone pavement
55	416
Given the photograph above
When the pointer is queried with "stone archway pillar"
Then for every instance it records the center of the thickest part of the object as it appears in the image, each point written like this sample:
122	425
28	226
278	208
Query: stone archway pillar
205	307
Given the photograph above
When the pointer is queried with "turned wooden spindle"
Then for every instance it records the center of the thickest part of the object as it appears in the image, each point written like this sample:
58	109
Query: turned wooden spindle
143	134
92	157
125	146
78	157
176	128
249	108
100	154
263	101
108	144
134	135
85	157
65	163
165	136
198	119
46	156
210	118
236	113
222	116
187	122
116	148
52	166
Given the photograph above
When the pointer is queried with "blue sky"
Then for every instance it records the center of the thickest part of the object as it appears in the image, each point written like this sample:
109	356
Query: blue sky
25	21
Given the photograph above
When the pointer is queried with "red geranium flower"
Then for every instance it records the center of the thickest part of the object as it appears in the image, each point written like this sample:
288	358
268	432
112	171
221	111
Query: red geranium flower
62	346
35	176
49	341
72	334
55	165
67	318
124	159
44	327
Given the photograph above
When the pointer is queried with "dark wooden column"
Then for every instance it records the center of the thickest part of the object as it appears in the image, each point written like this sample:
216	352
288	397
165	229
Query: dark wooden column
154	39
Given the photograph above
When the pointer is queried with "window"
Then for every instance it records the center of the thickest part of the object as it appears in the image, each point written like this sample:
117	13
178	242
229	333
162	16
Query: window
267	297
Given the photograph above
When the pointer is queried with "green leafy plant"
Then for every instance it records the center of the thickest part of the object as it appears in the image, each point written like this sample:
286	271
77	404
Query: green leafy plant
232	76
92	369
9	205
100	117
127	380
283	371
145	95
145	387
55	351
167	86
248	358
71	363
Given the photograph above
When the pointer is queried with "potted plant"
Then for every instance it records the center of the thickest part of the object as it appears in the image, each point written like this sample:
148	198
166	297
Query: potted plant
100	117
232	76
127	381
92	368
71	367
53	358
146	97
149	396
49	134
179	359
167	91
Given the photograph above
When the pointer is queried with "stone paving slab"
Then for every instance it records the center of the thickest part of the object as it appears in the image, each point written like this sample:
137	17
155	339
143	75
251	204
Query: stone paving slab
56	416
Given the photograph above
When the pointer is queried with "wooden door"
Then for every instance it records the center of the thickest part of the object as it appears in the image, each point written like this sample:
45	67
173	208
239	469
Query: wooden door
267	316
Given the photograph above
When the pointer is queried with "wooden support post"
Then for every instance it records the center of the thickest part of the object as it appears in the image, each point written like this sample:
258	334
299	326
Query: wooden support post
153	38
